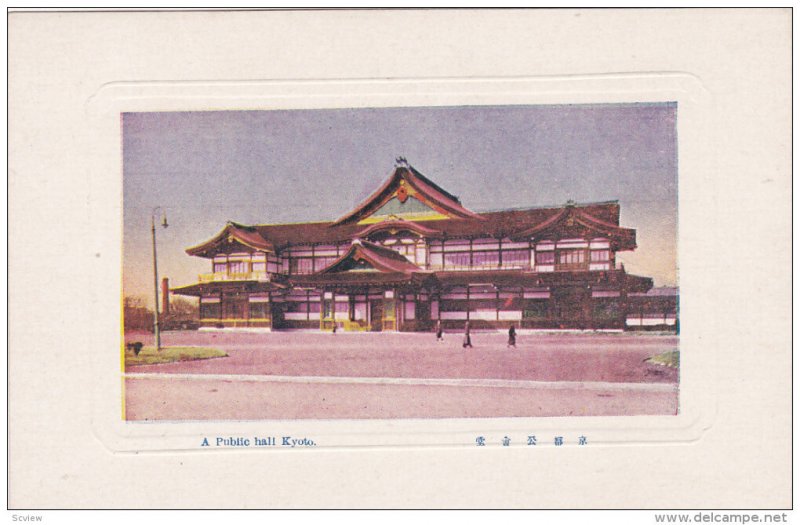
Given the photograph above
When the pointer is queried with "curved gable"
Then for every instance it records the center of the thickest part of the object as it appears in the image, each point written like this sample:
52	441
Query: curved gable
233	238
572	221
366	256
407	194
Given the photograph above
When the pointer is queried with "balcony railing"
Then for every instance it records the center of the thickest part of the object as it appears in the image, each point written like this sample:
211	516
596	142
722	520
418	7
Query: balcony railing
225	276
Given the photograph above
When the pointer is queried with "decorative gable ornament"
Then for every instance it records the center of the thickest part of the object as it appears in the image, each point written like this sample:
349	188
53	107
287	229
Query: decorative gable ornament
402	192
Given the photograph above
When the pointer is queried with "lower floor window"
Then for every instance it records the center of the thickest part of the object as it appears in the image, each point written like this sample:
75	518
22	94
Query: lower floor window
606	309
233	309
209	311
535	309
296	306
448	305
259	310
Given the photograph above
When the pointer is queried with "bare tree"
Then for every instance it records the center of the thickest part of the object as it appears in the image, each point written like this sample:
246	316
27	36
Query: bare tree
136	315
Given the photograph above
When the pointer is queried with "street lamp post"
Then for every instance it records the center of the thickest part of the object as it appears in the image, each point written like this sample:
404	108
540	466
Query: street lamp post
155	272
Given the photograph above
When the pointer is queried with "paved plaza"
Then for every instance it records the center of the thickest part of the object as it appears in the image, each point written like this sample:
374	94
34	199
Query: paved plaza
289	375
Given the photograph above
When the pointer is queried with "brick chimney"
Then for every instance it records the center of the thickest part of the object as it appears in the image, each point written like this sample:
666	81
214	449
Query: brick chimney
165	296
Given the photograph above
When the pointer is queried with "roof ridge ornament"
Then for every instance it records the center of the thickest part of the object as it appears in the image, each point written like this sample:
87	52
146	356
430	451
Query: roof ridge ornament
401	162
571	203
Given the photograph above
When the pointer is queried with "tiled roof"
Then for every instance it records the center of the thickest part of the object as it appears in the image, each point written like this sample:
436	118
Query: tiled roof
571	219
247	236
382	259
574	221
494	224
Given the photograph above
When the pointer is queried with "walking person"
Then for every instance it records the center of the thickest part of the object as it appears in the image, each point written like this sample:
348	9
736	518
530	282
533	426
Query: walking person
512	337
439	331
467	339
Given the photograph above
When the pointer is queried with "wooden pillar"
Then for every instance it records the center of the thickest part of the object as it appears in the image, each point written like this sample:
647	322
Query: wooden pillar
368	314
500	252
497	303
268	313
333	306
351	307
469	307
623	300
400	310
531	255
322	308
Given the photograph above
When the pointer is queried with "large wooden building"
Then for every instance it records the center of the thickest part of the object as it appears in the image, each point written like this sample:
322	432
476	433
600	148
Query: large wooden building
411	255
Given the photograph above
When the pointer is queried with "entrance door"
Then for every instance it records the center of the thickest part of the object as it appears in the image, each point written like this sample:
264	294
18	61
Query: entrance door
423	315
278	313
234	311
376	315
234	308
572	307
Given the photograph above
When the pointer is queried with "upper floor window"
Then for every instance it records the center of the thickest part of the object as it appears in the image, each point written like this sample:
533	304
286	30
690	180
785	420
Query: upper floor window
571	257
545	258
486	259
404	249
301	265
571	260
515	258
323	262
456	259
412	251
237	267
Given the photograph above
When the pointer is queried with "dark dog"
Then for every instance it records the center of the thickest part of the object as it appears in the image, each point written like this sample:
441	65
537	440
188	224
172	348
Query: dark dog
136	347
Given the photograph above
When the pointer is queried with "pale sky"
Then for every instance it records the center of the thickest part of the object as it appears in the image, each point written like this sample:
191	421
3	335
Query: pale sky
206	168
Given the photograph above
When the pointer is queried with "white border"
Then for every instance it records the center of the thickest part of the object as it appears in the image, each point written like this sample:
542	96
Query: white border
696	202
